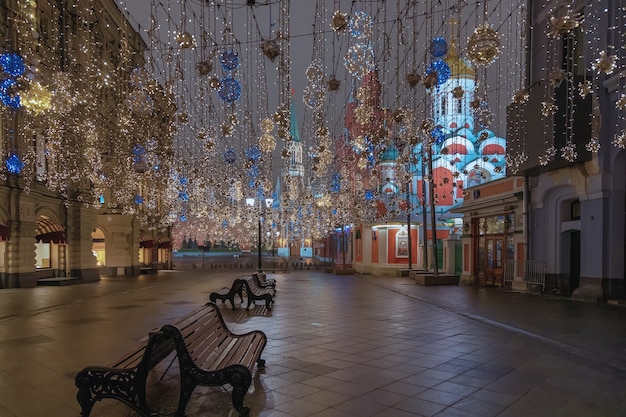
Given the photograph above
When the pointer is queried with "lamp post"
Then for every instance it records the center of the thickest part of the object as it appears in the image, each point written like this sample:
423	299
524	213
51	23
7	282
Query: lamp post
250	202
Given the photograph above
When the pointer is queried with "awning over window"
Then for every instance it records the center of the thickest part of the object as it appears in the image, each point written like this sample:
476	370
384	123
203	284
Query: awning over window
148	244
165	245
52	237
48	231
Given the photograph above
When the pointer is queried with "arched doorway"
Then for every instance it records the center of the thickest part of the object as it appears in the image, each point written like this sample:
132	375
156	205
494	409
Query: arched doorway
50	248
98	247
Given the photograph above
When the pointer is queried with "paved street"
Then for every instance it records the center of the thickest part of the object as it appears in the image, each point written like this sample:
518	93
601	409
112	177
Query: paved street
337	346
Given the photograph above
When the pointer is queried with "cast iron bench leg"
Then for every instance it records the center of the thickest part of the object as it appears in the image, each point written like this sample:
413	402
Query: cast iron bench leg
94	384
238	376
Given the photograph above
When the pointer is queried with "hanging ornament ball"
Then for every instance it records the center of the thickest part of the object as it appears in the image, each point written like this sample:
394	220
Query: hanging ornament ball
270	49
438	135
413	79
229	60
204	67
361	25
215	83
9	93
441	68
139	77
565	24
230	157
359	60
339	22
184	40
267	124
314	73
431	79
37	98
139	150
12	64
313	96
182	117
227	129
267	143
253	153
483	46
138	199
604	63
14	164
438	47
333	83
230	90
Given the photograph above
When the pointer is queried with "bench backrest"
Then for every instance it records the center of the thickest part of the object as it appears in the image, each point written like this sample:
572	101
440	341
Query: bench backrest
253	285
158	347
210	344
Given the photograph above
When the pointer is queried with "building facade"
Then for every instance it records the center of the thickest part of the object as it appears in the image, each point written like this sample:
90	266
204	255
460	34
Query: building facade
569	132
67	69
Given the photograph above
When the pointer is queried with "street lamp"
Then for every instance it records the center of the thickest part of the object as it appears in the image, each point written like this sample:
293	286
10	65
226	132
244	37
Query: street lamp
250	202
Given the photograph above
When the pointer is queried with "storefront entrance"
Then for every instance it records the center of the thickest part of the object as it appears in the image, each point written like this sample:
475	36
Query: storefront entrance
494	245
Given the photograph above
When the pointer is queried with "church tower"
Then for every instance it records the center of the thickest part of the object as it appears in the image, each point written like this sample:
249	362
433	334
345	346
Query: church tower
451	101
296	167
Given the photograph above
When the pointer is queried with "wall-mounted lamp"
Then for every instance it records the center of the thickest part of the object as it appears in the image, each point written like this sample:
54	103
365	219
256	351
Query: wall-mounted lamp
466	227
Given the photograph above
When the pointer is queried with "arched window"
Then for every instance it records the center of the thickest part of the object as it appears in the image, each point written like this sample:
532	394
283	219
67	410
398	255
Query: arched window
443	104
459	105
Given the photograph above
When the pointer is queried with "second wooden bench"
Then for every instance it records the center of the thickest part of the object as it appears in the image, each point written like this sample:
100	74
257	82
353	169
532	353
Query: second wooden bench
255	292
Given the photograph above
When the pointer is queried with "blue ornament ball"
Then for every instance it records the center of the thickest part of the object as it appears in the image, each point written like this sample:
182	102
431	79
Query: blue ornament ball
14	164
229	60
253	153
441	68
438	135
438	47
12	64
230	90
230	156
138	150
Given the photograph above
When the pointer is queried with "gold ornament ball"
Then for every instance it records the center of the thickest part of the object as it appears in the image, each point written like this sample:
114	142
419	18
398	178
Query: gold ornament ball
483	46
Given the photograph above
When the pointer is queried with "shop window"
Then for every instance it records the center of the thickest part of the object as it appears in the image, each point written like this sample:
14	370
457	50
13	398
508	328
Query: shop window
42	255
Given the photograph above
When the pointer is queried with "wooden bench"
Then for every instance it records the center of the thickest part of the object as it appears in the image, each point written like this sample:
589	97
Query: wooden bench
255	292
229	293
208	354
263	281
